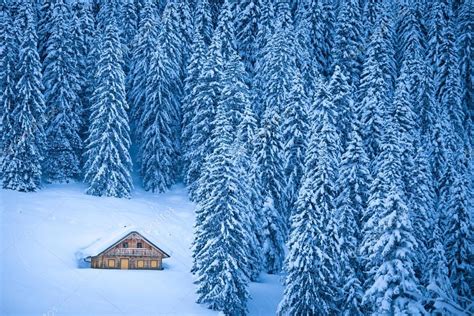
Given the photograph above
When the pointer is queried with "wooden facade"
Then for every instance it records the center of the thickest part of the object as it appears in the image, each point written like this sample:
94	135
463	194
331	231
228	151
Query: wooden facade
133	251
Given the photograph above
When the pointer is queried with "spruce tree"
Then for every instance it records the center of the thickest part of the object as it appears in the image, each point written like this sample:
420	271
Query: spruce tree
82	34
220	251
376	84
246	133
351	202
45	16
465	45
458	234
8	52
173	43
295	131
349	41
157	153
108	164
143	47
389	244
195	66
61	82
129	30
270	178
247	24
311	283
21	163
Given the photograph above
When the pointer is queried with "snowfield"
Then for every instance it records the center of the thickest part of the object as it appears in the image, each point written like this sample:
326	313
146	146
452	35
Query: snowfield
41	272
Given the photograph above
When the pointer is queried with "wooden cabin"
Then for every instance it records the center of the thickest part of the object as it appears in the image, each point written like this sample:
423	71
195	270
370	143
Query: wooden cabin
132	251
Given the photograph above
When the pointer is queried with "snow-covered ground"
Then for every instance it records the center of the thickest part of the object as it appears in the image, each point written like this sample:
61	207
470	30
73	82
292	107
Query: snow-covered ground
42	233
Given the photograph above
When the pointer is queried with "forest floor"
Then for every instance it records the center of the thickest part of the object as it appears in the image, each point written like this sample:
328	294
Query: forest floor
42	272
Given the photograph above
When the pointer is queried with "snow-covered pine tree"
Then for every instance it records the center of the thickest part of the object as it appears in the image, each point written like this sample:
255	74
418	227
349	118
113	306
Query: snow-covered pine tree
8	54
440	297
294	132
265	31
371	13
45	16
157	153
203	21
143	47
173	42
303	44
311	284
220	245
108	163
208	91
342	94
246	133
349	41
458	234
376	84
247	24
129	29
200	40
21	163
389	245
270	178
351	202
61	82
195	66
465	45
82	40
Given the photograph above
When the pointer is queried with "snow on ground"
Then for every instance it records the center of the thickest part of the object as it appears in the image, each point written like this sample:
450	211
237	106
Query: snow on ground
42	233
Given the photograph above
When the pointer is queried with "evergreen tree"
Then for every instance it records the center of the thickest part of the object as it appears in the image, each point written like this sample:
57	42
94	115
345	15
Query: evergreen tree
389	244
64	144
108	164
144	46
310	286
295	129
466	44
246	134
8	54
264	33
247	24
220	251
21	163
173	42
270	178
129	30
349	41
45	17
195	66
377	85
458	234
207	92
82	44
353	189
203	21
440	294
158	154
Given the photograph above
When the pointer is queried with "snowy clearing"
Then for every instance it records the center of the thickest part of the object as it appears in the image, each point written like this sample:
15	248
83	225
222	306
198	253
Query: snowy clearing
42	233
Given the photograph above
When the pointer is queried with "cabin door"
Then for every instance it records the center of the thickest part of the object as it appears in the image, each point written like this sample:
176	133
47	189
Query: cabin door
123	263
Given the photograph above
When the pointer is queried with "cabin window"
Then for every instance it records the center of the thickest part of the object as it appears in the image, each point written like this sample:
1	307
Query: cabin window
154	264
140	264
111	263
125	245
139	245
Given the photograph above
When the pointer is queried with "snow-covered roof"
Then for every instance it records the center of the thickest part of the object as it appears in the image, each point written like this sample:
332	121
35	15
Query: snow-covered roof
111	238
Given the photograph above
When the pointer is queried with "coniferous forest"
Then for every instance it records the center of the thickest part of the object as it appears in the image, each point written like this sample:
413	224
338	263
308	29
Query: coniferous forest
329	141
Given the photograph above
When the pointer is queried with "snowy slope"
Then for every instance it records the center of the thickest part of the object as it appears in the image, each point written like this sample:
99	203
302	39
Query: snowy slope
42	233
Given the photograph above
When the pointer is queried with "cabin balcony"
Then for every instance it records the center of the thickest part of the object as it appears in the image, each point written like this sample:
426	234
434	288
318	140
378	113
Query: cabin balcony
138	252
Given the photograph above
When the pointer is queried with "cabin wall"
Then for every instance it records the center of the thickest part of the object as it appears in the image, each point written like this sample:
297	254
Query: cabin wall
102	262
